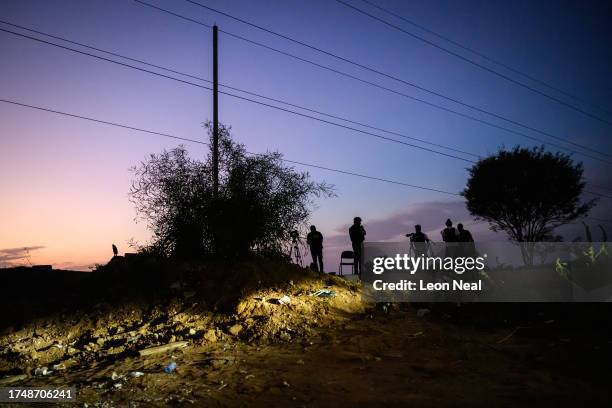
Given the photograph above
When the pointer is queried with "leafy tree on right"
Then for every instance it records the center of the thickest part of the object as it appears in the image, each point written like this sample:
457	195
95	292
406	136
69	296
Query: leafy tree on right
527	193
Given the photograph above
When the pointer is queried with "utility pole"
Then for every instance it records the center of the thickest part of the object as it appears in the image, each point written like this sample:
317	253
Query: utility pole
215	146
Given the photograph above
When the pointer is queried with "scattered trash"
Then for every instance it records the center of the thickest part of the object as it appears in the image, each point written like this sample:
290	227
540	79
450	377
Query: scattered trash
115	376
324	293
170	368
286	384
417	334
117	386
422	312
136	374
188	294
300	362
59	366
42	371
549	322
284	300
192	332
246	377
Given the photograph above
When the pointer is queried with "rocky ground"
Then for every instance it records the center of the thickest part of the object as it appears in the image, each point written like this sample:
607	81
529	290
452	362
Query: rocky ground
296	338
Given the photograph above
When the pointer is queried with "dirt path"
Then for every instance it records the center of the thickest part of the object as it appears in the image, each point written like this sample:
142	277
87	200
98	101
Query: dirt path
373	360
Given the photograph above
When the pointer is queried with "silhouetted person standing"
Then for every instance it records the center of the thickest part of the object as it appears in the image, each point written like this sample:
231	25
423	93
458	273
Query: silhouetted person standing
115	250
466	241
315	240
463	234
357	234
449	236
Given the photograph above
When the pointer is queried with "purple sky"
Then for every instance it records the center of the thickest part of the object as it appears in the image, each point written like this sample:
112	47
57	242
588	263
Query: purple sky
64	182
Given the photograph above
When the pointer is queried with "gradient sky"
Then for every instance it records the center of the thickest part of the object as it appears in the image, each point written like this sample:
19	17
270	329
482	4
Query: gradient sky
64	183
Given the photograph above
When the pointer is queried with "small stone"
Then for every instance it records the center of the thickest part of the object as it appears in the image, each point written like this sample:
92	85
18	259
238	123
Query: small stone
210	336
235	329
192	332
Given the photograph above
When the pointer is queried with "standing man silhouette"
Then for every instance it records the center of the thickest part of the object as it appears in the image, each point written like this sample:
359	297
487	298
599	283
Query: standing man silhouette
315	240
357	234
115	250
450	237
466	241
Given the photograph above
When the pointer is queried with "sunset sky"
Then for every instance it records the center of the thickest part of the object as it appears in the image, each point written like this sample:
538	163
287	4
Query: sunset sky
64	182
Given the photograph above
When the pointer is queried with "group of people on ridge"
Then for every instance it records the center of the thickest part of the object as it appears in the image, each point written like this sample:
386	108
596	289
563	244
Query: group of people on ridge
357	234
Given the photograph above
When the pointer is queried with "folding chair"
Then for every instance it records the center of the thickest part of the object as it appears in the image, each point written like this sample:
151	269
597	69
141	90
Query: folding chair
347	255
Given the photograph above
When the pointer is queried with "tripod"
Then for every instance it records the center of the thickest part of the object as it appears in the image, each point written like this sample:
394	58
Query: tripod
294	252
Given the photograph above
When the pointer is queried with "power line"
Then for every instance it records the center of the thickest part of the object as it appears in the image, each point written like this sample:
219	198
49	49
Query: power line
105	122
256	94
475	63
238	89
373	84
245	99
486	57
392	77
248	100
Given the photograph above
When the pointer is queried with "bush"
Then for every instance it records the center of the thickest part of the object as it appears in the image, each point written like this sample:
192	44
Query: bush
260	201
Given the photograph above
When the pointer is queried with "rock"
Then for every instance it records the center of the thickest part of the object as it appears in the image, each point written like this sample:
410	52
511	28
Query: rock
285	336
192	332
100	341
210	336
235	329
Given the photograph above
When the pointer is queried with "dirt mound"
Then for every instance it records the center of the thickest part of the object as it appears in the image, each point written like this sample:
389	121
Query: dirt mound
257	302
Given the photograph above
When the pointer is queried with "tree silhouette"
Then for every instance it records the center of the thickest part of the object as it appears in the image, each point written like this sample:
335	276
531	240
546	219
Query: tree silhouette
260	201
526	193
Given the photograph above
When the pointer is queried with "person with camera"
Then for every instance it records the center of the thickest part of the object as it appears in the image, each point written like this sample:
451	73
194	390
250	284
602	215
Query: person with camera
419	241
315	240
